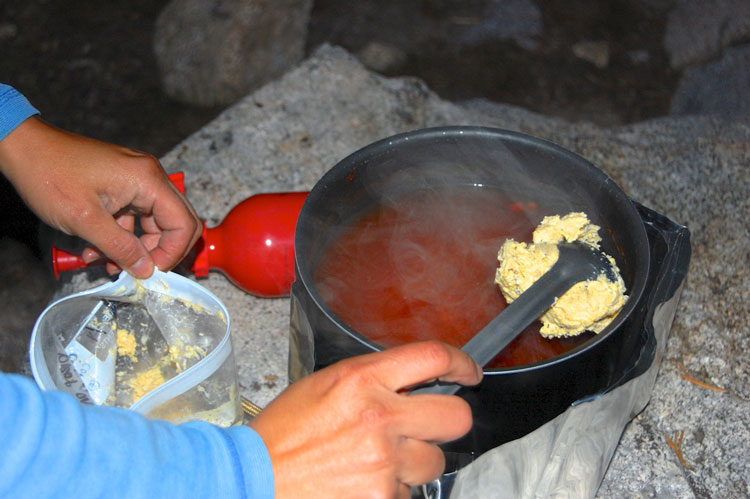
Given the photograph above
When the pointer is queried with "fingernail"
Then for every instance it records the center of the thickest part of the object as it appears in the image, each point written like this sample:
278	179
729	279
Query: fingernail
88	255
480	371
143	268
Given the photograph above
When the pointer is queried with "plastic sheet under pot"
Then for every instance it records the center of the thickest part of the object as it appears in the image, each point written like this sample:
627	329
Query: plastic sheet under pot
160	347
608	379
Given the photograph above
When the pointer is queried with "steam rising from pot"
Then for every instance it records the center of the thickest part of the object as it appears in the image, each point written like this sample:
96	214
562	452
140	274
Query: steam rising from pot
420	263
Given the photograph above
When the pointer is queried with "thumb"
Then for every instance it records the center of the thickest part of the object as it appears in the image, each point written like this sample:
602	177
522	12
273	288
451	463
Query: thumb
119	245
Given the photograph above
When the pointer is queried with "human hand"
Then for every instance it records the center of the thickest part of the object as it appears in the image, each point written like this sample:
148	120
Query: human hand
350	429
96	190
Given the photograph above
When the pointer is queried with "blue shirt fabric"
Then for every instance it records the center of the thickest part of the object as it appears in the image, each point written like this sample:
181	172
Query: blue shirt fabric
53	446
14	109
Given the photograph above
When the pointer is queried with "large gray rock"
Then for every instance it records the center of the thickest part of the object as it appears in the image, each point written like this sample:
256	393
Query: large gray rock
694	170
698	30
212	52
718	88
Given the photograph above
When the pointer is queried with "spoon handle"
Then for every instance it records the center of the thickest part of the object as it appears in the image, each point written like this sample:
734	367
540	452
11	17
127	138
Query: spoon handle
514	318
524	310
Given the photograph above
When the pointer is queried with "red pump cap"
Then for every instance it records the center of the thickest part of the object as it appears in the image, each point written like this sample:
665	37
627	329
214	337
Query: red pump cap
62	261
178	179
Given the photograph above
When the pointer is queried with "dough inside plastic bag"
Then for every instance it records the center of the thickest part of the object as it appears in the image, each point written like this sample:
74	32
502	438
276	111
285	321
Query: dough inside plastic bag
159	346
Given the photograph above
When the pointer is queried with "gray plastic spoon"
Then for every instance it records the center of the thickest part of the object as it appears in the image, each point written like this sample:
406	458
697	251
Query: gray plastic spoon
576	262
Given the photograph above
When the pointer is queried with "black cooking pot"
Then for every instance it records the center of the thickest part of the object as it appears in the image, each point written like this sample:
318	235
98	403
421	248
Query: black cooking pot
509	402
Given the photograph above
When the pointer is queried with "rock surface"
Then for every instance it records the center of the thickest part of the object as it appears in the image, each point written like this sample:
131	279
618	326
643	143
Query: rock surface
214	52
698	30
717	88
692	169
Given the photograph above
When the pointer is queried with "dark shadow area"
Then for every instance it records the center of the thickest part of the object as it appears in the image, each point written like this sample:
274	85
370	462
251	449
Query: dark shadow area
451	45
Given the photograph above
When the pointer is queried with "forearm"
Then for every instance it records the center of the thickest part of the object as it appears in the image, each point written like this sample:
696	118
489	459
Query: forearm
55	447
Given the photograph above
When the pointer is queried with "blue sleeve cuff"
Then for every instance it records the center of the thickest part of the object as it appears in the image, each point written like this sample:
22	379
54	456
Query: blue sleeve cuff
237	457
253	462
14	109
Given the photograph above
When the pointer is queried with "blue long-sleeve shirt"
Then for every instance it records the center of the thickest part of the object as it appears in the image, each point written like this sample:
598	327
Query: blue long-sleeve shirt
53	446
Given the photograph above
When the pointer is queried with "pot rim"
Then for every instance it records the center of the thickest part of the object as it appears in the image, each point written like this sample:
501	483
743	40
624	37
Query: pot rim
634	221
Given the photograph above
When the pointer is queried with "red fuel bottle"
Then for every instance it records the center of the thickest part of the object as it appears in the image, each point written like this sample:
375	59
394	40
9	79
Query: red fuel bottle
253	246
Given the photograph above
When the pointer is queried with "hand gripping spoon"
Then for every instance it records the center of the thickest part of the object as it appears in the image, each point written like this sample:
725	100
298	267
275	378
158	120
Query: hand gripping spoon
576	262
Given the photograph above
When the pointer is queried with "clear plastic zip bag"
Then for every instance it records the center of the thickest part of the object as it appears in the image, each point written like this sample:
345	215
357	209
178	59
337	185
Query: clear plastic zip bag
159	346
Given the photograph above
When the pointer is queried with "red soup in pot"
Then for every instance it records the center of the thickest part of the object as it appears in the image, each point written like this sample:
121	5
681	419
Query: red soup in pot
423	267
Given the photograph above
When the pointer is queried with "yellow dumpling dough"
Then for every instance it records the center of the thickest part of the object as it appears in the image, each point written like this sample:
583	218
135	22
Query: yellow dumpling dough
126	344
146	381
587	306
572	227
